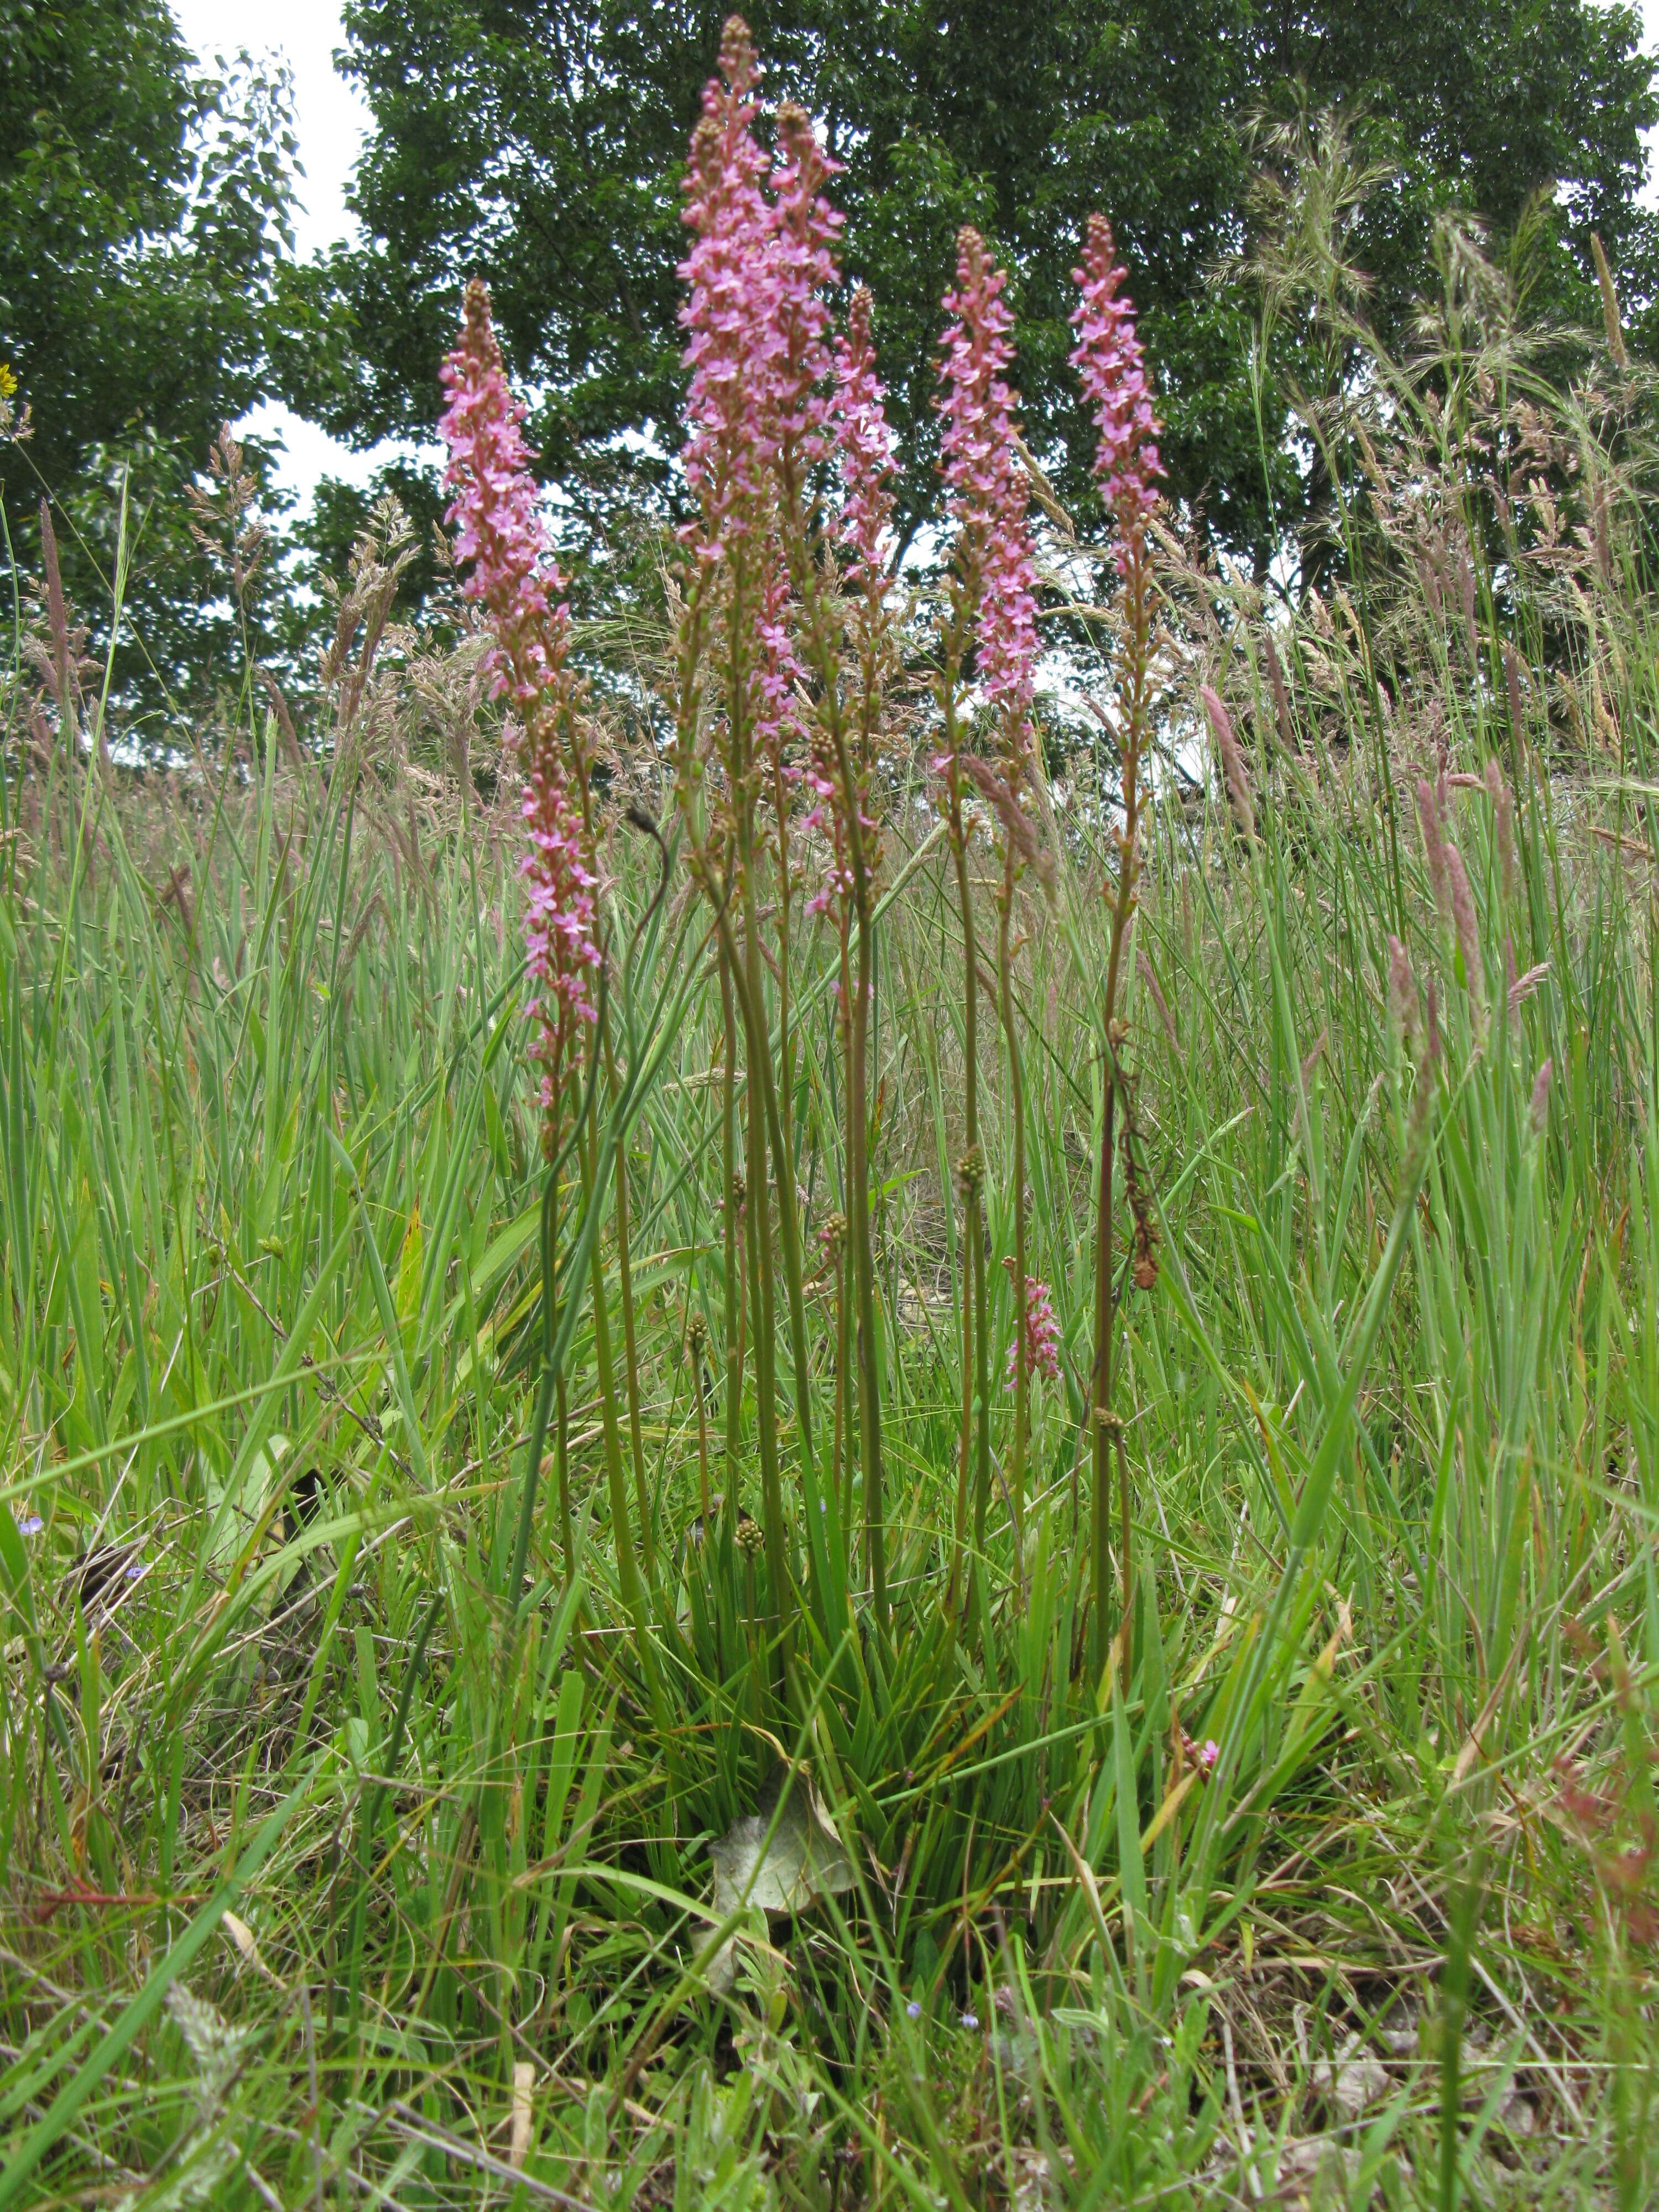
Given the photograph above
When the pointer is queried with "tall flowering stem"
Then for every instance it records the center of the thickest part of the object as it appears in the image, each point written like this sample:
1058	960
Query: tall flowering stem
850	720
752	369
1111	369
847	639
806	227
991	617
512	574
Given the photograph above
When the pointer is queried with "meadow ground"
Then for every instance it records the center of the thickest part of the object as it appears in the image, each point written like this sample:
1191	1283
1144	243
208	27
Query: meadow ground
356	1852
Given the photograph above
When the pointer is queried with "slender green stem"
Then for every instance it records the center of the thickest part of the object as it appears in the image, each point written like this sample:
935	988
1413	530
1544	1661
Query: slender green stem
1017	1120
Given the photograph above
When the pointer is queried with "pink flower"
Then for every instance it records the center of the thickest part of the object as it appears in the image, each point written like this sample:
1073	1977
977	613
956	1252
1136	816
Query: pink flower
988	497
804	257
756	316
1042	1333
865	445
773	669
735	348
864	449
498	528
514	576
1112	370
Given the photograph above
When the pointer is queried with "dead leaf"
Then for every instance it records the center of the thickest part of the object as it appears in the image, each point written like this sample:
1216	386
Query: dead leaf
242	1936
776	1861
524	2081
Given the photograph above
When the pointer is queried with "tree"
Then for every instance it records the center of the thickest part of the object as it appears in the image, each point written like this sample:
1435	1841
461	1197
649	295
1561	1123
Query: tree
539	142
143	210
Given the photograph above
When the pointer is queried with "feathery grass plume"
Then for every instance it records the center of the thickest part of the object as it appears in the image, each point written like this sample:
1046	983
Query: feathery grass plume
511	574
1430	815
1232	760
1502	807
1402	994
1611	320
1522	987
1512	684
1465	924
1282	713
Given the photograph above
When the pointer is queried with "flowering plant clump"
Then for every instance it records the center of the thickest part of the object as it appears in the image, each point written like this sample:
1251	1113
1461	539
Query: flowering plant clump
786	650
511	574
781	664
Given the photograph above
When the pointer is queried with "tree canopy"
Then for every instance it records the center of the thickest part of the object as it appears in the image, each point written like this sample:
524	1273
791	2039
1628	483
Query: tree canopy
143	211
540	143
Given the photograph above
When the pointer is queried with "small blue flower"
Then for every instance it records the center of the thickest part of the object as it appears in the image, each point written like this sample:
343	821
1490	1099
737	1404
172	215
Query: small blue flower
970	2019
31	1525
913	2009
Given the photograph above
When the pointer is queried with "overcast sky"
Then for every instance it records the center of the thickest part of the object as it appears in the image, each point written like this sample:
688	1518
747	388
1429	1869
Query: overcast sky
331	122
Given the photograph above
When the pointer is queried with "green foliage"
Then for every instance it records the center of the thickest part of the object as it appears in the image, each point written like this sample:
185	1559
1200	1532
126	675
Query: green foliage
143	210
343	1859
382	1820
540	147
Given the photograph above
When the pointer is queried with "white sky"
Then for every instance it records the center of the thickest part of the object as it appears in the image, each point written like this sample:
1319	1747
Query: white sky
332	122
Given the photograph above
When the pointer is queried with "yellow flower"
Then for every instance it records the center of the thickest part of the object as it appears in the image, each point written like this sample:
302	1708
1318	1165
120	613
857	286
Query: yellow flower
8	380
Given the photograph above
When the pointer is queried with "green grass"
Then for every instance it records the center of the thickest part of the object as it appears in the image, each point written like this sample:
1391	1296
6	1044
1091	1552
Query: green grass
341	1871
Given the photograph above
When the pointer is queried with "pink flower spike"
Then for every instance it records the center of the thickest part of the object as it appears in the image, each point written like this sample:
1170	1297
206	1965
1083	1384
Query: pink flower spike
775	669
513	574
1042	1333
864	444
734	346
1112	370
498	527
989	498
804	252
